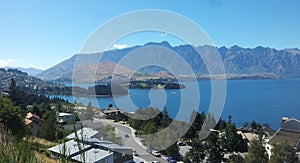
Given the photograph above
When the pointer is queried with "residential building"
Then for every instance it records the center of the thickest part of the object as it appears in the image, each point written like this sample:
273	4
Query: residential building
114	111
83	133
34	123
289	131
92	150
65	118
69	121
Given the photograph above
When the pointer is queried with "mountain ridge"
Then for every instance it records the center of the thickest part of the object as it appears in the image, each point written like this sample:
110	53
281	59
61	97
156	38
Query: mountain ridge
237	60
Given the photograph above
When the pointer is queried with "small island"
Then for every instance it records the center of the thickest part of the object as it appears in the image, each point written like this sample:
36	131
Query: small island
155	84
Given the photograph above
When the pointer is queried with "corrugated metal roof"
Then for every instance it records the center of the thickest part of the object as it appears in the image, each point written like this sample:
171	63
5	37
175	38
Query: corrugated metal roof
112	146
84	132
93	155
71	147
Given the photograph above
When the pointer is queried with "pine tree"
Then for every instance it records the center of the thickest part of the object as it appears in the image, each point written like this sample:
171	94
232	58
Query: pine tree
50	126
213	148
256	153
230	140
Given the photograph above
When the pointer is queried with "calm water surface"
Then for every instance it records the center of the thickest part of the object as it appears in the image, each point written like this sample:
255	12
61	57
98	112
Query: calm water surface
265	101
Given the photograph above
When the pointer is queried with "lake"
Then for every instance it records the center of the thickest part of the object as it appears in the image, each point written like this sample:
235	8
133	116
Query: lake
265	101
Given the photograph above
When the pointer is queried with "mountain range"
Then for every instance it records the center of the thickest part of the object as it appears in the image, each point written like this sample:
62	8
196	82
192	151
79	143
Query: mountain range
238	62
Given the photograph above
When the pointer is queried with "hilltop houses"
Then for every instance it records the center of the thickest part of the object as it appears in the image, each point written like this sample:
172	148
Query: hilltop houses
110	111
289	131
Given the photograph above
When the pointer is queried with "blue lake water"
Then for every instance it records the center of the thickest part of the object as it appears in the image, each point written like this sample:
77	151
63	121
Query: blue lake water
265	101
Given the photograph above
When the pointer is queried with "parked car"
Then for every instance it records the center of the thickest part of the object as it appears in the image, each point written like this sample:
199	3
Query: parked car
135	153
155	153
169	159
126	136
180	143
172	161
155	162
149	150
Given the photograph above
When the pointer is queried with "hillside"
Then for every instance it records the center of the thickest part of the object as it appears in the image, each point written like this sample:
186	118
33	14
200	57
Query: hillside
260	62
29	83
29	71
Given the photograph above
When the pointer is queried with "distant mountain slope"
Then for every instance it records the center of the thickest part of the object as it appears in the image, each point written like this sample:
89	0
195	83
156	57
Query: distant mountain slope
29	71
237	61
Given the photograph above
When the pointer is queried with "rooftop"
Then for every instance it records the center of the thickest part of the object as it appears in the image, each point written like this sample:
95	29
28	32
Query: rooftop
291	125
64	114
93	155
292	137
71	148
113	146
29	118
84	132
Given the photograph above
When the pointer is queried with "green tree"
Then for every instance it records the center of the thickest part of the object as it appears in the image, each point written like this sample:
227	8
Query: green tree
213	148
230	140
173	151
150	128
236	158
283	153
11	118
88	113
108	132
50	126
221	124
13	91
196	153
165	119
196	125
256	153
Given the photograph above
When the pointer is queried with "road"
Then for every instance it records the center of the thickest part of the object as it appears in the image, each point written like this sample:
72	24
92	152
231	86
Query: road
132	141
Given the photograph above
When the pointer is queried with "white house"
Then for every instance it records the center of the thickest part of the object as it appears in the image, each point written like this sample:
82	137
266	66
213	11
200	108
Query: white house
92	150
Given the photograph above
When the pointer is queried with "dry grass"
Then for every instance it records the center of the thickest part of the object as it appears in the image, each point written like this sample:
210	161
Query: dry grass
41	142
43	158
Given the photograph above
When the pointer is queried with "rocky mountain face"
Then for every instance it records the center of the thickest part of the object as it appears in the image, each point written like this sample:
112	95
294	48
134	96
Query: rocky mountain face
237	62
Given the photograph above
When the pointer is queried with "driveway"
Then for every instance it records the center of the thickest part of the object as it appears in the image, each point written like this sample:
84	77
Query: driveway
132	141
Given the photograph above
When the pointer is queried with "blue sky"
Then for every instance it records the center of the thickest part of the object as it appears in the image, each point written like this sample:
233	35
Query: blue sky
40	34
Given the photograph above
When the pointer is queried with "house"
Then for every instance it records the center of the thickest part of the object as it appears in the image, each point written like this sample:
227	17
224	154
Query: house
84	132
247	136
114	111
69	121
65	118
34	123
91	150
289	131
95	155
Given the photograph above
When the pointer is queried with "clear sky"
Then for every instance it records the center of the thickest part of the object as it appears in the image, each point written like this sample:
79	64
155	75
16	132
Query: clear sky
40	34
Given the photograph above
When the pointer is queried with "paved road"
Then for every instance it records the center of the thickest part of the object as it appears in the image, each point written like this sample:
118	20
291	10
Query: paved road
132	141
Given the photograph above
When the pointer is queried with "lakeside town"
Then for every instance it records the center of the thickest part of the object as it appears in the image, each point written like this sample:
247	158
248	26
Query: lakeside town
39	129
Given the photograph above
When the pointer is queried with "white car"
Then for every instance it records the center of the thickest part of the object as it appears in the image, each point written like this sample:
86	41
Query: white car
155	153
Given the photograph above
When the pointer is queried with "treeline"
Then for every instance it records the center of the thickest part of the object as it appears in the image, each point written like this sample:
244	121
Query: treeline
100	90
18	103
15	136
154	84
13	71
